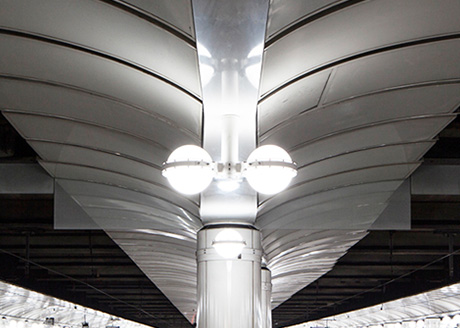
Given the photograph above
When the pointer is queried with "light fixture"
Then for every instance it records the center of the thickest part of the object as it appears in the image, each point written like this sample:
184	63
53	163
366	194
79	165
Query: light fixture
188	169
268	170
228	185
228	243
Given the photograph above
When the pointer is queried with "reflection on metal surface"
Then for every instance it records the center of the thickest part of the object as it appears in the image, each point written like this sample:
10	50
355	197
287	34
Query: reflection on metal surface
439	307
111	31
329	39
292	272
169	261
230	37
21	307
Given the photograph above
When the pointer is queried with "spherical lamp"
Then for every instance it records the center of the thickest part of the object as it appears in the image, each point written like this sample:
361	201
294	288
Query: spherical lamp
228	243
188	169
270	169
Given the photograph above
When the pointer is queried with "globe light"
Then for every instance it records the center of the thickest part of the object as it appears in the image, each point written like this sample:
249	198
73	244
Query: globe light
188	169
228	185
270	169
228	243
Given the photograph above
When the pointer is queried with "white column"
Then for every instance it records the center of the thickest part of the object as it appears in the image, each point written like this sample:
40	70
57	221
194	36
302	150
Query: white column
229	289
266	298
432	322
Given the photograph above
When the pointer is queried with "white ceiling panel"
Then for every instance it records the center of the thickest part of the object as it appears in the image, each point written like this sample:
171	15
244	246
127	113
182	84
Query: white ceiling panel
115	194
355	30
343	179
104	90
92	74
323	120
310	198
109	30
59	153
284	13
291	101
301	256
433	305
358	213
68	132
62	101
178	13
24	307
423	64
177	278
151	212
418	128
94	174
378	156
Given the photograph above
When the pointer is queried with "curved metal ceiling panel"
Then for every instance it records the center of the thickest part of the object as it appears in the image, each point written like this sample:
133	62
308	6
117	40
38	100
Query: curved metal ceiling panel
102	176
63	101
68	132
432	305
110	30
284	14
58	153
433	63
27	308
296	214
104	90
346	213
92	74
177	13
410	129
168	262
297	258
125	209
375	107
356	114
311	199
115	194
291	102
371	157
354	30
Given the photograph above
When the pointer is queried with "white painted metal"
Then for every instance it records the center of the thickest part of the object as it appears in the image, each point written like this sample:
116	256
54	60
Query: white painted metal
229	290
168	259
104	114
354	30
284	14
297	258
431	309
90	24
177	13
21	307
230	52
266	298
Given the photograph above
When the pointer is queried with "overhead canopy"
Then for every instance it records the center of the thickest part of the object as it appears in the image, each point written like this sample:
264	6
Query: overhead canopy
356	91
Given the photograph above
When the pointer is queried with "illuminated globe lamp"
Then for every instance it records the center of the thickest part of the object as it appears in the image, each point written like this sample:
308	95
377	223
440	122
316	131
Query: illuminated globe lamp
228	243
189	169
270	169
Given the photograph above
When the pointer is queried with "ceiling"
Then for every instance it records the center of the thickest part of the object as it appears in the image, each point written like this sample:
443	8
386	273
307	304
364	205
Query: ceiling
103	90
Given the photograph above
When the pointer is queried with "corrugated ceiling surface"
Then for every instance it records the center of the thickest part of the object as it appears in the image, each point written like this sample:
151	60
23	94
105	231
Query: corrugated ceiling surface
354	90
104	91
